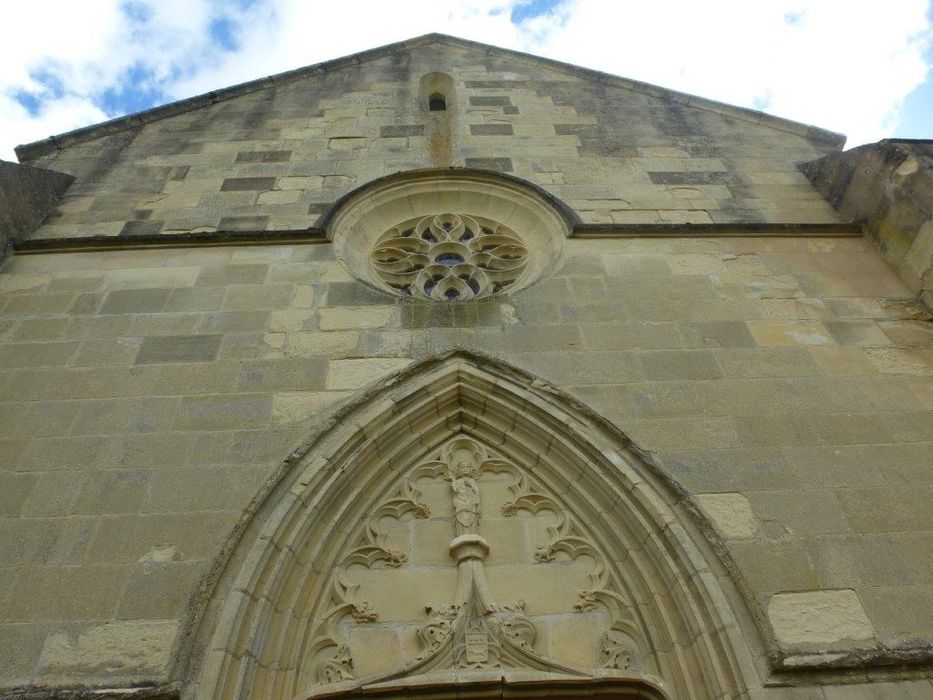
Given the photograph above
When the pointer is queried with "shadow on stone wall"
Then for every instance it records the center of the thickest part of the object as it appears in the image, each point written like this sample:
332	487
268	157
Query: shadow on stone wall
27	197
887	187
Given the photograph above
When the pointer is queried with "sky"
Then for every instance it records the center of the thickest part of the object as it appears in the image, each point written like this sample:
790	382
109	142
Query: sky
860	68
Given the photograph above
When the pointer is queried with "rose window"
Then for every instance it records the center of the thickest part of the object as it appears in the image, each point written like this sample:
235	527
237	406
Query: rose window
449	257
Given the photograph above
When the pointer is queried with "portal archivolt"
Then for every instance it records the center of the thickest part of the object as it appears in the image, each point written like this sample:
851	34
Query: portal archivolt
469	528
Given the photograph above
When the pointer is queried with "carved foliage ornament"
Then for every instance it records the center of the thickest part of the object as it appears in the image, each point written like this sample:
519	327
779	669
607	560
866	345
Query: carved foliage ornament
449	257
474	630
345	598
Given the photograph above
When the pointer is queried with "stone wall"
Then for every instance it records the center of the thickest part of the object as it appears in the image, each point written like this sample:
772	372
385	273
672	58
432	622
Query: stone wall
888	188
147	394
277	158
27	196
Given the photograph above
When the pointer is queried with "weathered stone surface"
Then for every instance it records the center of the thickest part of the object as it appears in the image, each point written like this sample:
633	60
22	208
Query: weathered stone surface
305	406
20	647
223	412
124	301
356	318
173	348
263	156
491	129
899	690
503	165
346	375
27	196
819	617
888	187
393	130
731	514
234	184
127	651
148	396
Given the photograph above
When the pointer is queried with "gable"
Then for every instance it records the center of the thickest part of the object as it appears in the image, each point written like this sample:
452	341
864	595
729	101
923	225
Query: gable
400	49
275	155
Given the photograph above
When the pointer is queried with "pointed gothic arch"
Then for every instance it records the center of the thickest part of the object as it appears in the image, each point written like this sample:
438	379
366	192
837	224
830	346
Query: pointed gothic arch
385	558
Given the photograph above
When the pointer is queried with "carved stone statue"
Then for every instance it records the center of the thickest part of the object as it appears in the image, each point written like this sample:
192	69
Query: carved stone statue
466	499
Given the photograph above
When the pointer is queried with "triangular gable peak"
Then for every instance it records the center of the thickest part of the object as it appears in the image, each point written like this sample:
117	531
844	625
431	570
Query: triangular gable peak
37	149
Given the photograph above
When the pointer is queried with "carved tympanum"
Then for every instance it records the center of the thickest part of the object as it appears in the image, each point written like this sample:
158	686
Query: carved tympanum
471	629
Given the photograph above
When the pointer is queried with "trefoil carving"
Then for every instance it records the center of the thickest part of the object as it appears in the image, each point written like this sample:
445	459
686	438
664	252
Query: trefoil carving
474	631
347	601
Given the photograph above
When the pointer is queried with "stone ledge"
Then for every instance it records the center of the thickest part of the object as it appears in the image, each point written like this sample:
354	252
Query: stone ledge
170	240
716	230
151	692
318	236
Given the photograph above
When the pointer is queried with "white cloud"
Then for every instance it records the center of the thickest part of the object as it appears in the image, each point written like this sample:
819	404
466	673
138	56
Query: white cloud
67	55
841	65
837	64
295	33
66	34
59	116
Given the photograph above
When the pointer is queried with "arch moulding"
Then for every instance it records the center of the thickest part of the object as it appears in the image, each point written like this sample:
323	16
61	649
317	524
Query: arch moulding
465	529
448	234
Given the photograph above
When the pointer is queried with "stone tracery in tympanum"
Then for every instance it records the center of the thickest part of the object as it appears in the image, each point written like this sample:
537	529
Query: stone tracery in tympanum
471	565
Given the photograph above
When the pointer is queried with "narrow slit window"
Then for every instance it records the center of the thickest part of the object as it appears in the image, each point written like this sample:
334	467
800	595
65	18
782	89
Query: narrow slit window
437	92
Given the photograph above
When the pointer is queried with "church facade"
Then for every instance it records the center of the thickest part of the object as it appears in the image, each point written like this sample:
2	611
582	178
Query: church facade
442	370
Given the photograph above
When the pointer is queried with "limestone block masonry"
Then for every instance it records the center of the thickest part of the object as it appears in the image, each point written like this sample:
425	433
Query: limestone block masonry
27	196
666	432
889	187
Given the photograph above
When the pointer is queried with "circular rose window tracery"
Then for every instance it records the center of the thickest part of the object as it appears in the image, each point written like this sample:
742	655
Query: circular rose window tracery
449	257
447	235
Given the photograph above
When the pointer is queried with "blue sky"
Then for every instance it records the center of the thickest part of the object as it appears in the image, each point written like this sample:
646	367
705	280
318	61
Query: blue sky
916	114
826	62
